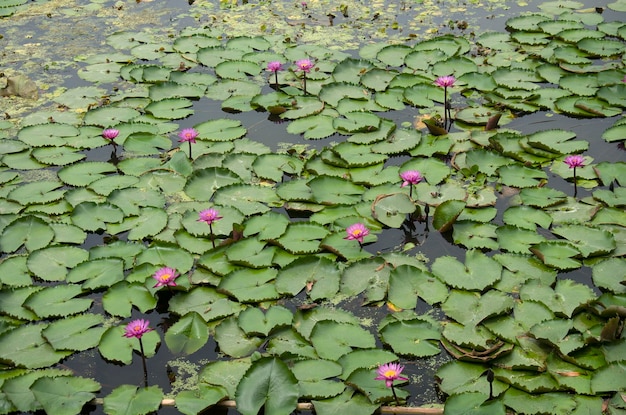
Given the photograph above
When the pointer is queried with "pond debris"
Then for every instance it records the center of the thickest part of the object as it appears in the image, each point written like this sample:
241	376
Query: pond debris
19	86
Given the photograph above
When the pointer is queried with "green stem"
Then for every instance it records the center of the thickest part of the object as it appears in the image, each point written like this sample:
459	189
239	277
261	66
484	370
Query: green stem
143	361
394	395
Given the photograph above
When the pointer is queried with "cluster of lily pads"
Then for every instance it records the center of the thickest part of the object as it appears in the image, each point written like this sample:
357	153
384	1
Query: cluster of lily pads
267	280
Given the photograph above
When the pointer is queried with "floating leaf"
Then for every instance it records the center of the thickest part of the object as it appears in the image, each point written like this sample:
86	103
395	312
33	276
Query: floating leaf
52	134
609	274
558	254
233	69
206	301
302	238
57	301
170	108
566	297
64	395
392	209
187	335
320	277
253	321
233	341
416	337
52	263
407	283
478	272
30	231
25	346
128	399
250	285
92	216
82	174
75	333
333	340
257	388
120	299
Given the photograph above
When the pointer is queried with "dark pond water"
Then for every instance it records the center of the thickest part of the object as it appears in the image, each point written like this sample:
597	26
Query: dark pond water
49	32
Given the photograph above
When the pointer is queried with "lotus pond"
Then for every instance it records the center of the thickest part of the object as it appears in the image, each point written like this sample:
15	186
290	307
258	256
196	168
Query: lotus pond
220	207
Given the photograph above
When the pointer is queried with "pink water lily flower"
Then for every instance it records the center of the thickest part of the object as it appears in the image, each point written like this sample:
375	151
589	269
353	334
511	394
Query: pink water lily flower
274	66
209	216
445	81
574	161
304	65
137	328
188	134
357	232
110	133
411	177
390	372
165	276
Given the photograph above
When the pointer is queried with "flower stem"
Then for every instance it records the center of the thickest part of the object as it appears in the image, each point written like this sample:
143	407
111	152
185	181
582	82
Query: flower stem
276	74
304	80
143	361
212	237
575	184
395	396
189	142
445	108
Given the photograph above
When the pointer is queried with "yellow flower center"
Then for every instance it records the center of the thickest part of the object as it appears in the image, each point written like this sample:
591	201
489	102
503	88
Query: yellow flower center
390	374
165	277
357	232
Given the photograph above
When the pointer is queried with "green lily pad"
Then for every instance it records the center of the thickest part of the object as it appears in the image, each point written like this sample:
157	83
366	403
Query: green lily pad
392	209
601	47
253	321
53	393
416	337
356	122
478	272
233	69
58	300
333	190
26	347
564	299
333	339
257	388
313	127
171	108
609	274
128	398
52	134
319	276
542	197
589	241
30	231
558	254
250	285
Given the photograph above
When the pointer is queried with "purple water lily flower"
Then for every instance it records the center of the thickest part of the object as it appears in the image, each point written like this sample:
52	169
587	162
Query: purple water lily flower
357	232
574	161
165	276
110	134
445	82
390	372
209	216
188	135
137	328
275	66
